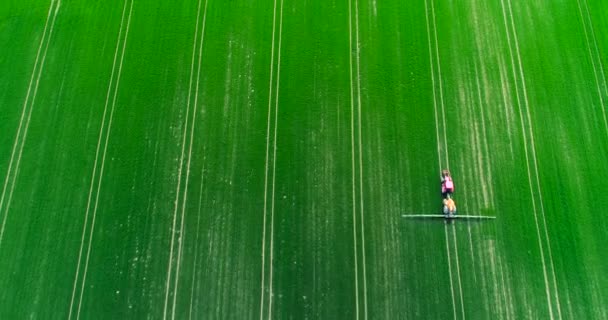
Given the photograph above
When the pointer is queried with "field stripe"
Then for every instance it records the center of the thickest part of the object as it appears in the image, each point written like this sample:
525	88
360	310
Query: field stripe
441	99
597	50
513	66
273	93
361	203
268	124
433	81
472	252
95	165
181	165
274	163
196	242
525	139
445	146
447	249
94	173
103	161
593	63
266	166
357	168
27	109
458	270
534	158
353	162
488	193
181	238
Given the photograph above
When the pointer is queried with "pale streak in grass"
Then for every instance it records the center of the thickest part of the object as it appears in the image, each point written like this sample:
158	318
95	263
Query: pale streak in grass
505	296
103	161
354	179
198	223
507	101
428	28
447	249
533	149
36	70
483	146
274	161
361	204
266	168
595	73
274	157
594	37
181	163
185	197
263	276
458	270
470	238
493	270
445	142
98	148
542	255
94	174
441	100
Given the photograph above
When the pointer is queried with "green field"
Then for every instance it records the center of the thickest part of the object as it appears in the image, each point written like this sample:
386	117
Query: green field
208	159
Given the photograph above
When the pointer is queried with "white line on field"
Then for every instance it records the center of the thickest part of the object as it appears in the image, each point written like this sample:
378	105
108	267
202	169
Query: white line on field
361	203
36	73
354	179
94	173
458	270
274	161
196	242
441	100
446	148
595	74
103	161
493	271
192	127
470	238
505	296
542	255
482	153
533	150
447	249
181	160
428	27
266	167
597	50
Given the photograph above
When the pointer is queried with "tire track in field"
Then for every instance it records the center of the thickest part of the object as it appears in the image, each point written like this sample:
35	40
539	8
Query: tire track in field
193	284
97	175
181	239
447	249
26	115
266	292
187	139
442	145
600	79
530	155
597	49
357	162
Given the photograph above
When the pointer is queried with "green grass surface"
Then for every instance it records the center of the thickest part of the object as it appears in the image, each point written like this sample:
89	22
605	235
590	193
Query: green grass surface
253	159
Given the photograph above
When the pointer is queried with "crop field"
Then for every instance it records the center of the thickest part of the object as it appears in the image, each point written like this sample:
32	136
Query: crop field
247	159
